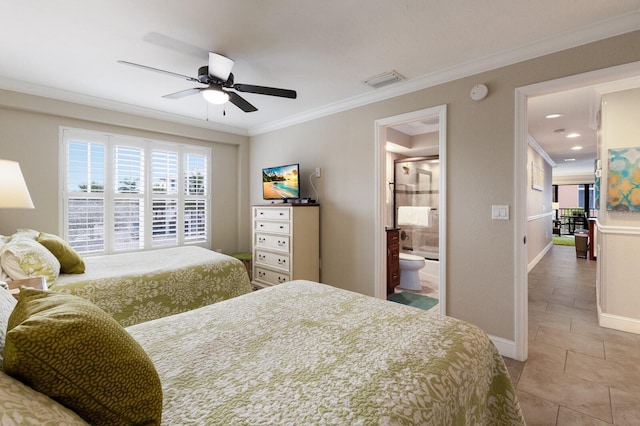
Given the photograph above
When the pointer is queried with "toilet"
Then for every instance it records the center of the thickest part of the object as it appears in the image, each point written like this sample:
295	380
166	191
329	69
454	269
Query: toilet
409	266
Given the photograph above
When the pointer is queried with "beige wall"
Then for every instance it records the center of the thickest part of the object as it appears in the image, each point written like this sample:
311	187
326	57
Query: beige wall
29	134
619	236
480	168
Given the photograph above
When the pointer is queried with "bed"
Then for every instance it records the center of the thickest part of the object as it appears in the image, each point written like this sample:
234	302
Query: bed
308	353
141	286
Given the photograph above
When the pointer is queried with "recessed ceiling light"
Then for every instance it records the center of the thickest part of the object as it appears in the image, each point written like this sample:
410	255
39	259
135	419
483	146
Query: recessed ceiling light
573	135
576	148
556	115
569	159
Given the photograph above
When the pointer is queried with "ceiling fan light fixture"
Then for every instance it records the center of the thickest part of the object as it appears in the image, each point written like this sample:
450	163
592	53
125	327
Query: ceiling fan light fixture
215	96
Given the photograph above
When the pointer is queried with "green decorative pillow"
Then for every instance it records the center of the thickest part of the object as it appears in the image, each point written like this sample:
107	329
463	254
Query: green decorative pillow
69	349
23	258
70	260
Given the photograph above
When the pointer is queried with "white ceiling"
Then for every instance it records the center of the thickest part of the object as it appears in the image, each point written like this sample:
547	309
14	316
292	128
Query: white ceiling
579	109
68	49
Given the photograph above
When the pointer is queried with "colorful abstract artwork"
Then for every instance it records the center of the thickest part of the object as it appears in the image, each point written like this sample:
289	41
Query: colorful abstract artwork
623	192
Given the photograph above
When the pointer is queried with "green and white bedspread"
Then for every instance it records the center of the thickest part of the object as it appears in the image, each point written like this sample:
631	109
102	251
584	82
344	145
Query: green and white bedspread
305	353
142	286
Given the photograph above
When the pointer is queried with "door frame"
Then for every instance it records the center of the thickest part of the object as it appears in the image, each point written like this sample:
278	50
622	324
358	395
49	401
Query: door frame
380	253
592	78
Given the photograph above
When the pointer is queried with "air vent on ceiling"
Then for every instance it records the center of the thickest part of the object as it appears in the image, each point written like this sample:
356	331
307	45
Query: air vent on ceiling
383	79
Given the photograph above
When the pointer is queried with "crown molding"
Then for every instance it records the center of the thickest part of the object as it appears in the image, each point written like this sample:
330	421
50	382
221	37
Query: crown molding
92	101
602	30
536	146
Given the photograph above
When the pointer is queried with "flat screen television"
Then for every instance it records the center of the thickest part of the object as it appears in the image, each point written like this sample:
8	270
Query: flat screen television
281	182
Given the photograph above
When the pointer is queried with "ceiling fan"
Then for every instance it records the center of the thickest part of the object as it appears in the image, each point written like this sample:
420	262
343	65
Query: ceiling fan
219	80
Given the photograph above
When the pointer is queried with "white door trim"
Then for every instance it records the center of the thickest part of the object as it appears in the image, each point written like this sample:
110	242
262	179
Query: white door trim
592	78
380	188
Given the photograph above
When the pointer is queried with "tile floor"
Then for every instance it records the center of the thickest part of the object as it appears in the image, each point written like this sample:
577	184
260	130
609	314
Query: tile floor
429	288
577	372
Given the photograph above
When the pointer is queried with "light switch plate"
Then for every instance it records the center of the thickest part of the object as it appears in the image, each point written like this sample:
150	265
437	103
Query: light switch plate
500	212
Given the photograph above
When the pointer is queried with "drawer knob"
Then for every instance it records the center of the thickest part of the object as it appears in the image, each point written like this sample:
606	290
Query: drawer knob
282	261
281	243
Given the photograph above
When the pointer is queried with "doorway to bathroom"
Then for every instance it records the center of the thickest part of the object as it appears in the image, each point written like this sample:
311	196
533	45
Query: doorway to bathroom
411	183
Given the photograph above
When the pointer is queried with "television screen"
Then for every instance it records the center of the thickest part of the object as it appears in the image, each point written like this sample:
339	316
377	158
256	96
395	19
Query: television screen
281	183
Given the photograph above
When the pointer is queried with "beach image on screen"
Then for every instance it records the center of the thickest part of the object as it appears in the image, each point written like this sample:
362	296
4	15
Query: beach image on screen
280	182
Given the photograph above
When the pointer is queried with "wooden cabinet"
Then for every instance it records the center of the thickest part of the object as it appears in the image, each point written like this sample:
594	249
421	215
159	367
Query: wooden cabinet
286	243
393	259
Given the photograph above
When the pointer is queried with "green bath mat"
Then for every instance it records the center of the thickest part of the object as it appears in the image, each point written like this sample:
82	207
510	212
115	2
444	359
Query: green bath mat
413	299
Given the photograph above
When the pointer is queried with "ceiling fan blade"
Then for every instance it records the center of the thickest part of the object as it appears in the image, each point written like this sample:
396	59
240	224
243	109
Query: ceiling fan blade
220	66
241	102
262	90
174	74
183	93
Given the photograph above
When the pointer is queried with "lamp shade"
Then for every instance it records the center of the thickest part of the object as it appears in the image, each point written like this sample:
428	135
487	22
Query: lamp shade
13	189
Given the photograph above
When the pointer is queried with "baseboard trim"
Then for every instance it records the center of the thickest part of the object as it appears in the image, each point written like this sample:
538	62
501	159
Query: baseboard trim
505	347
539	257
617	322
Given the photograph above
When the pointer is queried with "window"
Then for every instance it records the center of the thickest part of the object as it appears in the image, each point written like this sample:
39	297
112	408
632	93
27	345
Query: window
125	194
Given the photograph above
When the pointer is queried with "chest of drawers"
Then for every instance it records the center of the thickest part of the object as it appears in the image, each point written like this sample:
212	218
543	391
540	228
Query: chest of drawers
286	243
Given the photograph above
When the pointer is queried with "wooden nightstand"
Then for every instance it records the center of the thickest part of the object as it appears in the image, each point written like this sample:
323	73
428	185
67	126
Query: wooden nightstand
39	283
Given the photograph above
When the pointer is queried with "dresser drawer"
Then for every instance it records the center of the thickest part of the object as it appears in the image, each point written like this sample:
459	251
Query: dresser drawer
393	237
276	260
275	242
270	277
272	213
268	226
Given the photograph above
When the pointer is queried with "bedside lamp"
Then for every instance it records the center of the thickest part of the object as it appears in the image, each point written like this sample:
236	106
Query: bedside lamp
13	189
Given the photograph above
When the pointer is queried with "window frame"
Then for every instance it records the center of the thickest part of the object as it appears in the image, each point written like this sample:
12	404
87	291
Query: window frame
110	141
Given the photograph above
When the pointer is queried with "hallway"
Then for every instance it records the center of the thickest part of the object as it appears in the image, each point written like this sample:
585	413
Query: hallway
577	372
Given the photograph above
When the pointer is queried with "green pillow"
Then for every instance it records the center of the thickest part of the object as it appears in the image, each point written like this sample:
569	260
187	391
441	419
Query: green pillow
70	260
77	354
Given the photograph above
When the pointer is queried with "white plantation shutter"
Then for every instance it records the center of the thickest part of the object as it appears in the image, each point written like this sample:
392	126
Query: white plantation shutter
128	201
164	174
123	194
85	229
85	181
195	197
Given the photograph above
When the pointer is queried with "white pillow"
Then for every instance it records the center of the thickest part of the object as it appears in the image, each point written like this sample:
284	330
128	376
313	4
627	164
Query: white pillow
24	258
7	303
25	233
